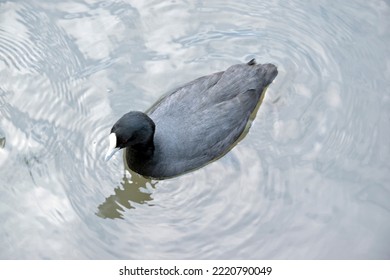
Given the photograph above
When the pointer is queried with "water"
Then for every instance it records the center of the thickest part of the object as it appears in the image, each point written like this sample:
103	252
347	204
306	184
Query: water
309	181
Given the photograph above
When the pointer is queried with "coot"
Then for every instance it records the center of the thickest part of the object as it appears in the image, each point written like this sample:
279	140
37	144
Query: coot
193	125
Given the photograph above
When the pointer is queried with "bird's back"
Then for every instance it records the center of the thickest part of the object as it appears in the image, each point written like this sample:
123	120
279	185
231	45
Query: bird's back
199	121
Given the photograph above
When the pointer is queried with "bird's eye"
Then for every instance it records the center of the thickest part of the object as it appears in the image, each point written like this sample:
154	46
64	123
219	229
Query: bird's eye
120	142
123	141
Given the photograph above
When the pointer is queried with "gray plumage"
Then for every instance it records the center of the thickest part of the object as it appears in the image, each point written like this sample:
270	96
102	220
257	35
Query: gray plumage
196	123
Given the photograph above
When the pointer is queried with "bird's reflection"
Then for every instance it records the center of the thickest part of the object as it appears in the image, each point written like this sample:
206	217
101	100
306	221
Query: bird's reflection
2	142
136	190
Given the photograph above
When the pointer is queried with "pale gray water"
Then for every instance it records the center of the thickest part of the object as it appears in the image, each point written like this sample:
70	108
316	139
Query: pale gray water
310	180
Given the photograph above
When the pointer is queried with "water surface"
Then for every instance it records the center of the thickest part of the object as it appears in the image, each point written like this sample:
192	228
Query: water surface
309	181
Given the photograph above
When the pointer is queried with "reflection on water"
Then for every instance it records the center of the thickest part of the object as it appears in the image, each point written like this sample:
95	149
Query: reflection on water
308	181
2	142
136	189
2	139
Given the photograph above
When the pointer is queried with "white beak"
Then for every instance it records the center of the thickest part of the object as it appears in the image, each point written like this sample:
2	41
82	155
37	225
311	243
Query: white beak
112	148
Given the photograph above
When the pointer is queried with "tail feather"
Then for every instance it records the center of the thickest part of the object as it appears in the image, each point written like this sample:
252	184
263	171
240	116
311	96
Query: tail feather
252	62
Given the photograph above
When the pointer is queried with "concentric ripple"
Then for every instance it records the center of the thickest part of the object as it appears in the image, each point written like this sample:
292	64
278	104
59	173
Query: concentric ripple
309	180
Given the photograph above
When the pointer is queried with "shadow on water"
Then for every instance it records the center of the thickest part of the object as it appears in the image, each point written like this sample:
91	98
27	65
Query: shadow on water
134	190
2	141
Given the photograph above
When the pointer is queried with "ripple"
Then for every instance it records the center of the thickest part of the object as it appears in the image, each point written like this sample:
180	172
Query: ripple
311	172
311	80
13	52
